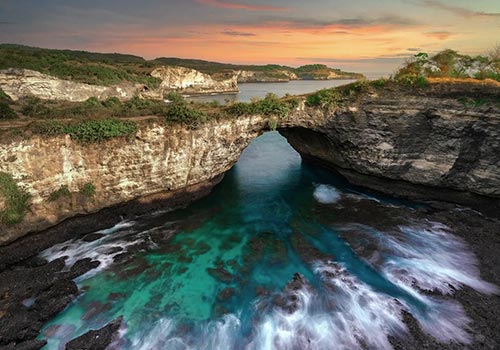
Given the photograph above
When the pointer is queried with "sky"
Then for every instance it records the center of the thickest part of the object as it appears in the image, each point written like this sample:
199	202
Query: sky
369	36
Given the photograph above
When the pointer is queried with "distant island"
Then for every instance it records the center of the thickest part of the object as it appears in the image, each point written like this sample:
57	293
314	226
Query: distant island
133	73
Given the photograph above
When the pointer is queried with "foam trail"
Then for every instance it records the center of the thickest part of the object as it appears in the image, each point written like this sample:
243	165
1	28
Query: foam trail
349	316
119	226
326	194
103	250
433	259
221	334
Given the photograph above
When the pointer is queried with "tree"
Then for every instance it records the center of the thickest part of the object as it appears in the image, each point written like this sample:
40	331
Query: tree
495	52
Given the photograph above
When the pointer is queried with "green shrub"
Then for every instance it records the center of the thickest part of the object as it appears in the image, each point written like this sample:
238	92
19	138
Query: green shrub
175	98
88	190
137	103
90	131
240	108
4	96
35	107
16	200
379	82
413	80
6	112
100	130
63	191
272	105
293	102
49	127
272	124
184	114
92	102
324	98
112	102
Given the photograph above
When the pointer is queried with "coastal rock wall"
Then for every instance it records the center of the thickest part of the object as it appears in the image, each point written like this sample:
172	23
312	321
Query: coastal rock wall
277	76
191	81
429	137
18	83
394	140
159	160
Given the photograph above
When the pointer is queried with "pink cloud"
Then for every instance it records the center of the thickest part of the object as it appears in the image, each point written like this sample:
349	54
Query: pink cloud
238	6
440	35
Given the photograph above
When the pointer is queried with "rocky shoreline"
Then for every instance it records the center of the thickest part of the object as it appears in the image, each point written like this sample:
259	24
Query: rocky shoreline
33	291
419	144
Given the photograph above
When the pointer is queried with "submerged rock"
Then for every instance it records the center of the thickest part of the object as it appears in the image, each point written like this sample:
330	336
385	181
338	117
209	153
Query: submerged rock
48	287
97	339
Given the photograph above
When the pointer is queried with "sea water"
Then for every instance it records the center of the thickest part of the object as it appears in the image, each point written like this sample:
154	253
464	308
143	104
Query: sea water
282	255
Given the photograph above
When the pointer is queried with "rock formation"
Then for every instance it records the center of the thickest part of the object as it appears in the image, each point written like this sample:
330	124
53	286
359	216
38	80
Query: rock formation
160	161
428	137
18	83
398	140
277	76
190	81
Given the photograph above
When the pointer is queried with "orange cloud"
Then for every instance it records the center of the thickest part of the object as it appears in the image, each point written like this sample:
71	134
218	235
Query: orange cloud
440	35
238	6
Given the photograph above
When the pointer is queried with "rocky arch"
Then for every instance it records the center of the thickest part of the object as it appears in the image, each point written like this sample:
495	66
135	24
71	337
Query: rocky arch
404	142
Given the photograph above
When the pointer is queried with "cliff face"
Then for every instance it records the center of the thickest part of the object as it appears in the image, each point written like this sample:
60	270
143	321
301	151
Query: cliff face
190	81
18	83
402	141
427	137
158	161
278	76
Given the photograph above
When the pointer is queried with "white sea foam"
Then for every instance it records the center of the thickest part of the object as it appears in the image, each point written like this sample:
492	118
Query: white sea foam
433	259
103	249
344	314
221	334
350	315
326	194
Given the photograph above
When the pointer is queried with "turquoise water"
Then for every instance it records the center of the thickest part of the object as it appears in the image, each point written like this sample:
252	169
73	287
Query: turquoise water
216	275
260	90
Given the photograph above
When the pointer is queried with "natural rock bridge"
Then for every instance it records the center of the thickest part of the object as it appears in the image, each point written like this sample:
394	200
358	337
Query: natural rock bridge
406	142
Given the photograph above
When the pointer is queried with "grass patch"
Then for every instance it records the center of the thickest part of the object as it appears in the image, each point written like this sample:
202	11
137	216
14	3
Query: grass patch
63	191
413	80
16	200
6	112
90	131
88	190
479	102
270	106
324	98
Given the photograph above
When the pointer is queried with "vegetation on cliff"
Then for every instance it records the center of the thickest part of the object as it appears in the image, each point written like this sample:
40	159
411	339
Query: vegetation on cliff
88	189
452	64
88	131
15	200
80	66
111	69
270	106
6	111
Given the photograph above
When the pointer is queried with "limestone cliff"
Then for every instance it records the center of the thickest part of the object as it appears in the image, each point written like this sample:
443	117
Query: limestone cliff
392	139
18	83
191	81
276	76
158	161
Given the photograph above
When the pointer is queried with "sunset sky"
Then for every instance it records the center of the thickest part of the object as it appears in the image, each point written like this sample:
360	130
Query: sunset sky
361	35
